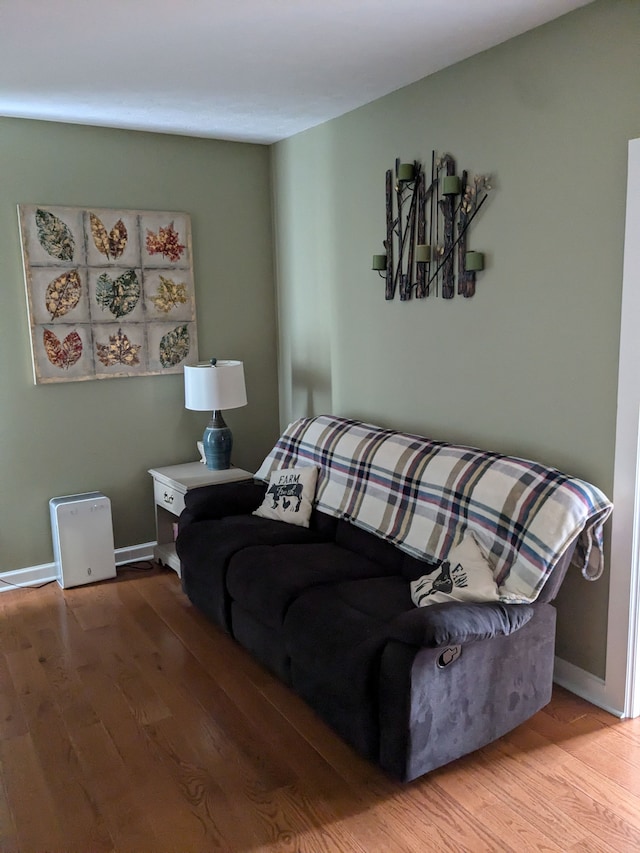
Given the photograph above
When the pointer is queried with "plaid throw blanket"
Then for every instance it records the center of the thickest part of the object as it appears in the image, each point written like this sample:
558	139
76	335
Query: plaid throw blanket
421	495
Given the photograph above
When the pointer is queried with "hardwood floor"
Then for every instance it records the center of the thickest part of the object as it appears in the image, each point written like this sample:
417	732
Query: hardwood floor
129	723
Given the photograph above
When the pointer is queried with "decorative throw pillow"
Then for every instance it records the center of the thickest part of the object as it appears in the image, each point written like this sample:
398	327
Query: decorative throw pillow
464	576
290	496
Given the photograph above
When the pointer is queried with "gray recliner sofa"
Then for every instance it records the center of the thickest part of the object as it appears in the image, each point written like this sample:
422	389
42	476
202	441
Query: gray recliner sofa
328	608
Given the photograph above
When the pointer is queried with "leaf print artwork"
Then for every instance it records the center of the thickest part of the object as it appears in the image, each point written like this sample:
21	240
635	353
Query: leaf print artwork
63	294
110	291
169	294
165	243
121	296
111	244
119	350
174	346
62	354
55	237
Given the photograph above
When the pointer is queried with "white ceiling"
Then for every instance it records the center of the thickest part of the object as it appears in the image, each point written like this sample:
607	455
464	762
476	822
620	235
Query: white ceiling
253	70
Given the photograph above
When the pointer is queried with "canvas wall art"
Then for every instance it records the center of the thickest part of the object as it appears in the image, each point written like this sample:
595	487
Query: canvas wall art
110	292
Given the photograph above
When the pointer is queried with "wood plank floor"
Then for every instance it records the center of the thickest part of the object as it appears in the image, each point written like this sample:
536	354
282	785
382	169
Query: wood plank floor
129	723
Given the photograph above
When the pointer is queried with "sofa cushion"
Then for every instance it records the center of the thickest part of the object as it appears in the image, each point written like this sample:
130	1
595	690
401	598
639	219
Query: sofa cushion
324	524
265	644
264	580
289	496
369	545
208	543
336	632
220	500
335	636
412	568
206	547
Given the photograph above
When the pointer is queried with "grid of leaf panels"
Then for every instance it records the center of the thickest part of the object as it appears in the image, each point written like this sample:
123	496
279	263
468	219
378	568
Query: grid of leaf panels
110	292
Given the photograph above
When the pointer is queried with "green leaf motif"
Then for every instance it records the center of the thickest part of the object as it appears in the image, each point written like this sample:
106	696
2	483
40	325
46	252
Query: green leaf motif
120	296
174	346
55	237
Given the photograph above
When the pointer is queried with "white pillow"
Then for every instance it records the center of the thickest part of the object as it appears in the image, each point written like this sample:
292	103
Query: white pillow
289	496
465	575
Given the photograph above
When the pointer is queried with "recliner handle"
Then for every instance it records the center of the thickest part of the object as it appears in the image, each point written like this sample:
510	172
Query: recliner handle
449	655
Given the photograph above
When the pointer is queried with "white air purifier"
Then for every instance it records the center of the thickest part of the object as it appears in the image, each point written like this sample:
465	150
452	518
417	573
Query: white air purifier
82	538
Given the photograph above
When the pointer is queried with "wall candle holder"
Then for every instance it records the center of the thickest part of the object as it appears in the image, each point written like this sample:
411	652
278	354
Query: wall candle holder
474	261
451	185
406	171
445	207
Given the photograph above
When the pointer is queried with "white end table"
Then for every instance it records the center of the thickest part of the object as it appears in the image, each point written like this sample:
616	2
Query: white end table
170	485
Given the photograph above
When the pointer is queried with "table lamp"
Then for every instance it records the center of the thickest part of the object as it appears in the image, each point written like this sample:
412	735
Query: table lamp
212	387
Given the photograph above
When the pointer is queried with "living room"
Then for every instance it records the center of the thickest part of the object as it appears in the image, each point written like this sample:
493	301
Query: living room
282	241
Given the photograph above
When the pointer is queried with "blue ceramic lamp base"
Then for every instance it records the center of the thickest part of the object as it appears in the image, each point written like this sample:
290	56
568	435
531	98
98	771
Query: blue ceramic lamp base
217	441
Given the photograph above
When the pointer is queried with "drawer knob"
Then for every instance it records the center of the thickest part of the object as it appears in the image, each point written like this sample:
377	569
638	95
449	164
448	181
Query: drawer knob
168	499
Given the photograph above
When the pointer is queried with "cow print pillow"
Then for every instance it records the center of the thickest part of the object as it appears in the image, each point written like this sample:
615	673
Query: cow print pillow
465	575
290	496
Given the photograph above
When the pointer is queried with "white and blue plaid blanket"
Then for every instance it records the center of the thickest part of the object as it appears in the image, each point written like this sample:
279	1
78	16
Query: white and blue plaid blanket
421	495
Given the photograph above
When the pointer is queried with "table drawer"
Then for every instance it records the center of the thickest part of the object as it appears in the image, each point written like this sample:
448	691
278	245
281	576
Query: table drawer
169	498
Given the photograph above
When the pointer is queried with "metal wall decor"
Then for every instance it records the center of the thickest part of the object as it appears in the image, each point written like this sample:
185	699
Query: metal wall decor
427	230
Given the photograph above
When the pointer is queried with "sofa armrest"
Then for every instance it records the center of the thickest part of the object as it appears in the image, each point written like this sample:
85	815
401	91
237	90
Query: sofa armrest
458	623
222	499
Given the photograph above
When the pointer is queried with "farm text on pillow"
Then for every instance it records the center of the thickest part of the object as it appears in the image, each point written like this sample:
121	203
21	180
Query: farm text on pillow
465	575
290	494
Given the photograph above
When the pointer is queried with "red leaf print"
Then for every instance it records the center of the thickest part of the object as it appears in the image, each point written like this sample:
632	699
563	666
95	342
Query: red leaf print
62	354
166	243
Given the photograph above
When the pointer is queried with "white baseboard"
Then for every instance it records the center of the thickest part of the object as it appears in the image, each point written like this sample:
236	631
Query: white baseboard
584	684
47	572
134	553
30	576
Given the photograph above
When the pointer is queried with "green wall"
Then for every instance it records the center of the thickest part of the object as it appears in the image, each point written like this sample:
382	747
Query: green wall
529	365
103	435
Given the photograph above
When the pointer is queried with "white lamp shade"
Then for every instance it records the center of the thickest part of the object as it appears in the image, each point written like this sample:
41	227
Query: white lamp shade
209	387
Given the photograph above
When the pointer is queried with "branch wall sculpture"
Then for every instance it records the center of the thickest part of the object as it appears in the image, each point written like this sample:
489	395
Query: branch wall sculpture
443	210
